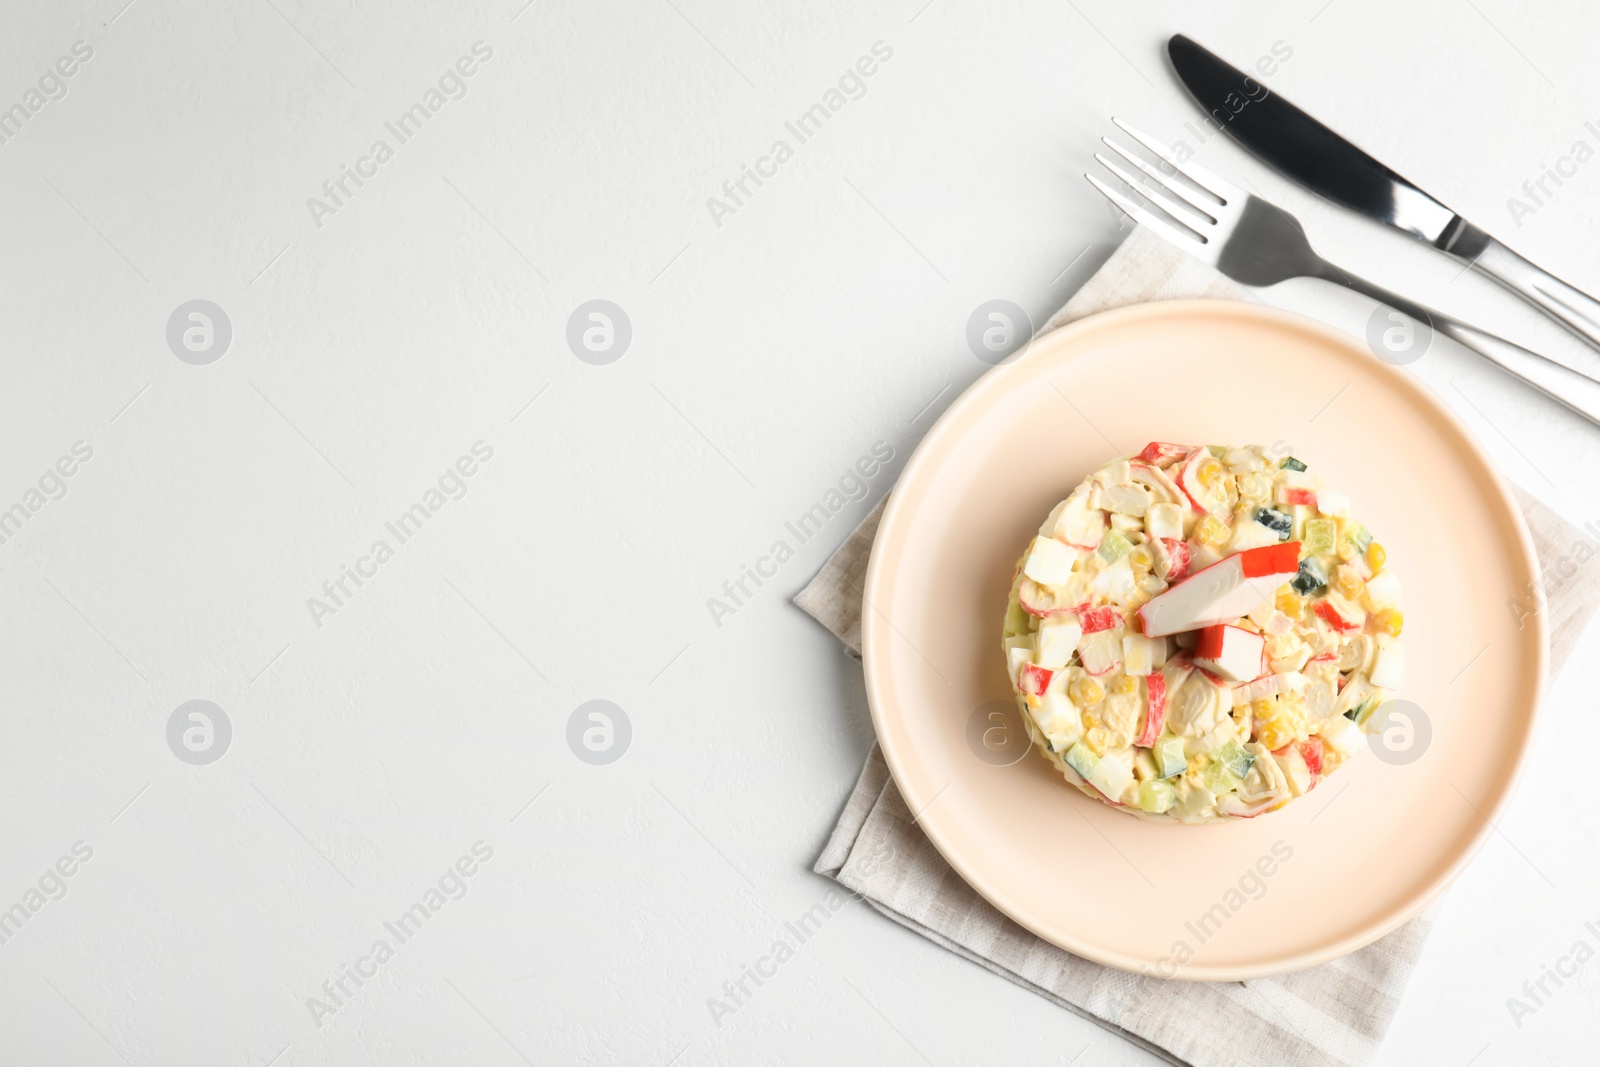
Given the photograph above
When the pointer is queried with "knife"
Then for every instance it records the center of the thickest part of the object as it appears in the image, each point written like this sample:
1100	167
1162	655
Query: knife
1310	153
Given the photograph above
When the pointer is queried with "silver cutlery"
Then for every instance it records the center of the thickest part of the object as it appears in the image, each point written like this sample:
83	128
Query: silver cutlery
1305	150
1257	243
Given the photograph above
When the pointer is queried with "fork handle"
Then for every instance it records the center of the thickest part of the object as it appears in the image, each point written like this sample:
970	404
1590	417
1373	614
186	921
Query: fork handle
1559	382
1568	305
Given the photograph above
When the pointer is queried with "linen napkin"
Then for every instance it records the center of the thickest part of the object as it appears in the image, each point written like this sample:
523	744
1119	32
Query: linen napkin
1332	1015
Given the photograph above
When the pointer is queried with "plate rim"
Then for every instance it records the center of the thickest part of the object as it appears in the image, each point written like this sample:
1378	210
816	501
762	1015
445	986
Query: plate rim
873	633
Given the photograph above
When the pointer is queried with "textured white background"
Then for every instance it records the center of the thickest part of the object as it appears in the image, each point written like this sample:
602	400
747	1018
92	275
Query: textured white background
767	355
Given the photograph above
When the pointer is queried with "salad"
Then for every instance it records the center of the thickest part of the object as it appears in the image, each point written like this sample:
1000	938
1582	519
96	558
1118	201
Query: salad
1202	632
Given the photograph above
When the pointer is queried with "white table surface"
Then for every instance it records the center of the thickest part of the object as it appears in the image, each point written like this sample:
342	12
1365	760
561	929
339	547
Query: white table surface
826	313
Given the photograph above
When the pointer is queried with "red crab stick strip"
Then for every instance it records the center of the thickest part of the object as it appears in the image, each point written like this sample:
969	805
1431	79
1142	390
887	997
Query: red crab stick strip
1094	619
1230	652
1163	453
1156	713
1223	592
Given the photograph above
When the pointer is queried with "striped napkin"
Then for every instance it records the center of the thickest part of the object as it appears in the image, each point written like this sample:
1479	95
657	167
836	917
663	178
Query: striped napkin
1335	1014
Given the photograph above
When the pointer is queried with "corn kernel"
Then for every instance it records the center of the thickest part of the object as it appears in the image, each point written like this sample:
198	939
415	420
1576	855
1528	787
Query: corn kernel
1274	736
1391	621
1141	561
1085	691
1265	706
1376	557
1124	685
1210	470
1097	739
1285	722
1113	546
1347	583
1289	602
1211	531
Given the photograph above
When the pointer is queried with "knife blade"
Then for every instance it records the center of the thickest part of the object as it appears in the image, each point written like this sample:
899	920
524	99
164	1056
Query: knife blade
1303	149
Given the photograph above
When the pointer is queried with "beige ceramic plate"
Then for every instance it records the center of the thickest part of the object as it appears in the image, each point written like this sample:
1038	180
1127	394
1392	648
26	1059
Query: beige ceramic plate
1373	844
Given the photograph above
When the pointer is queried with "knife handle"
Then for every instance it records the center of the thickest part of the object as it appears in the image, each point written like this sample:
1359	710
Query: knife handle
1573	308
1559	382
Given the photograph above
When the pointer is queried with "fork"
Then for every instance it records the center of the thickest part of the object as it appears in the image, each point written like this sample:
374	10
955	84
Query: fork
1256	243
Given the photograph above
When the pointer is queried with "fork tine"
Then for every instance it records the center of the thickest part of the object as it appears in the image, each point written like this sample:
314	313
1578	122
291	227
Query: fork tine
1197	221
1178	189
1219	187
1178	235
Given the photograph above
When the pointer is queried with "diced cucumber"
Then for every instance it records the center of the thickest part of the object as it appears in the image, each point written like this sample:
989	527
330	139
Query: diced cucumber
1363	711
1170	757
1354	697
1279	522
1156	796
1218	779
1312	577
1291	464
1321	536
1236	759
1080	759
1360	537
1016	619
1219	451
1113	546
